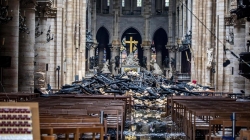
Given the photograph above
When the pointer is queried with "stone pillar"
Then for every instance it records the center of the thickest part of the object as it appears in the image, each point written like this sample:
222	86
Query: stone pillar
147	52
93	22
69	42
158	4
247	81
208	40
115	51
146	43
77	39
171	24
159	55
92	50
220	48
41	56
26	51
100	55
239	46
9	37
172	68
195	29
59	42
83	28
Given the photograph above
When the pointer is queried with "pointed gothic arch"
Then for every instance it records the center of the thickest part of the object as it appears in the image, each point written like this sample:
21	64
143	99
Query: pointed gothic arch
160	39
135	34
102	50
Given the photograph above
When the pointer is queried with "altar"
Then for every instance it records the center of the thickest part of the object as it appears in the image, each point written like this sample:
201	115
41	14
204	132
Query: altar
125	69
131	63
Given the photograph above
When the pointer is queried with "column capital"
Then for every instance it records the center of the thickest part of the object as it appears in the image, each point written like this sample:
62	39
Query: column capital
230	20
45	9
114	48
116	43
28	4
94	45
146	43
172	48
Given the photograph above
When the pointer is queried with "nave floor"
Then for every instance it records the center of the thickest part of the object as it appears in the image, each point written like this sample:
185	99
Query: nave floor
149	124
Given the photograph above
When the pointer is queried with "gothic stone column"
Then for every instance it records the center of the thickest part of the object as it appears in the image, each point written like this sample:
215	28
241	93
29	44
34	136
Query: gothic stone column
239	43
159	55
146	46
172	69
69	42
100	55
41	55
9	37
247	81
83	37
26	51
92	52
115	51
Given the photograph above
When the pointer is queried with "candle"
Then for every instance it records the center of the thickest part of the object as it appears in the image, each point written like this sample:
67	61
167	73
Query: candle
24	13
3	40
7	2
1	2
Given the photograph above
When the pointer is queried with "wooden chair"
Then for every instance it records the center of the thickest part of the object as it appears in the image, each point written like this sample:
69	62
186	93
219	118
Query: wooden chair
239	123
245	134
47	138
112	117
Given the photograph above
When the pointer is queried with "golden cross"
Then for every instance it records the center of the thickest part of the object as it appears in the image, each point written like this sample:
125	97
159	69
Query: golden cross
131	42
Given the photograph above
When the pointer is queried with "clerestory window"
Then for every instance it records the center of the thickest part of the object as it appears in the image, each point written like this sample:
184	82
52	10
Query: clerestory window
123	3
138	3
166	3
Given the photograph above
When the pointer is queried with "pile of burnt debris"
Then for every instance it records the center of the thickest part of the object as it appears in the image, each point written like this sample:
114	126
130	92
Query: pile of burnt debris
143	85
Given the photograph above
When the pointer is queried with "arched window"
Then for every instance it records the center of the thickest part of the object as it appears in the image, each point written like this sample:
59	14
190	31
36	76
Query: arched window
108	2
138	3
123	3
166	3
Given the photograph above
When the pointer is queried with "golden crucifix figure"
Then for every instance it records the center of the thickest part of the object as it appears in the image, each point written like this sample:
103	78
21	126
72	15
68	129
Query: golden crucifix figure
131	42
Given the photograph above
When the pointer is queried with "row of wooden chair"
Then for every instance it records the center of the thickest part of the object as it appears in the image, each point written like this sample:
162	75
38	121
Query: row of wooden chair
75	113
196	113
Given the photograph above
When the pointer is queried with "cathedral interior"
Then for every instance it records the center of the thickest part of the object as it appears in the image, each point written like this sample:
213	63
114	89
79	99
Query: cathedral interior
153	62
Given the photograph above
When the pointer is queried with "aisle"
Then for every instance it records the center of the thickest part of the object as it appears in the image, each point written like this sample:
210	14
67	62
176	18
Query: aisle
149	124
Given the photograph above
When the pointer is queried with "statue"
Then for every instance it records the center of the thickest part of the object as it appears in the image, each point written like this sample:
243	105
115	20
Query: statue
144	62
91	62
209	57
96	61
117	62
105	68
131	61
89	36
173	62
166	62
157	70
